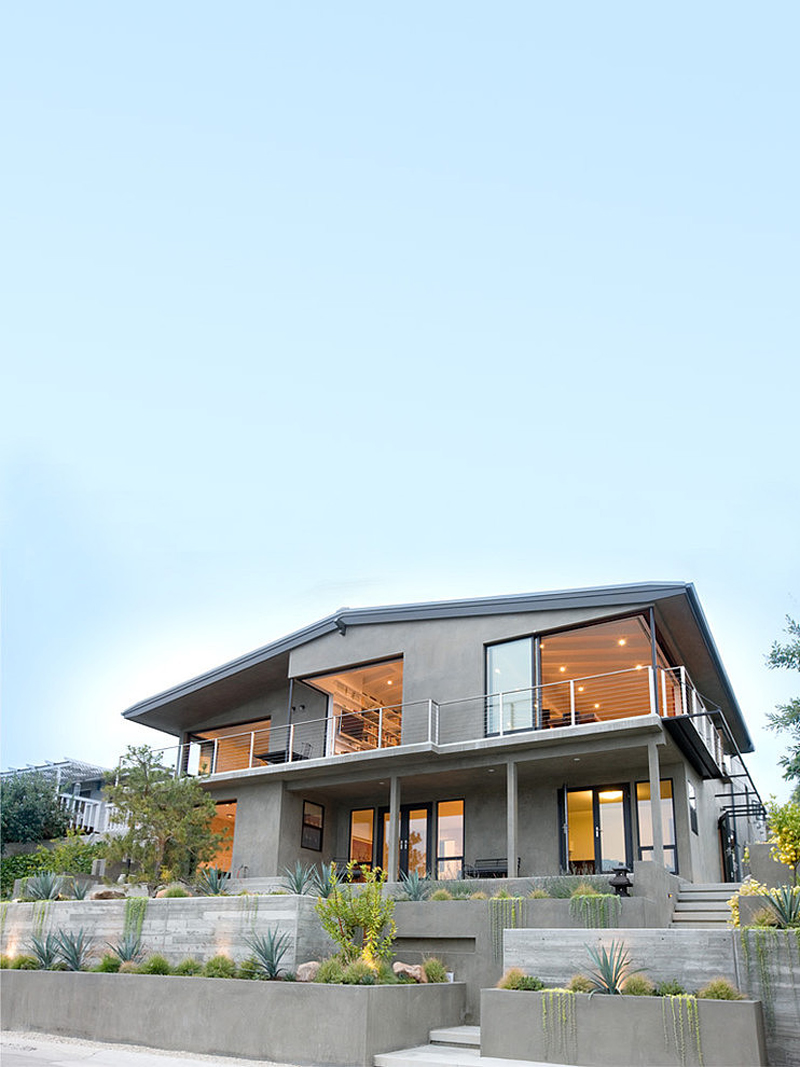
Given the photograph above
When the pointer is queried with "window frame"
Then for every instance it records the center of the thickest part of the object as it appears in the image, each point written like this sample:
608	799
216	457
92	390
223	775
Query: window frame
309	831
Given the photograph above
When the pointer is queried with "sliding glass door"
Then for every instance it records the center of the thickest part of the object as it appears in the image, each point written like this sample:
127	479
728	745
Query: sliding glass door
598	829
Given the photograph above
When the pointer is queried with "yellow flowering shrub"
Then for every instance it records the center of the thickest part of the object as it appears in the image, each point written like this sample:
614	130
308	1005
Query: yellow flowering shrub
749	888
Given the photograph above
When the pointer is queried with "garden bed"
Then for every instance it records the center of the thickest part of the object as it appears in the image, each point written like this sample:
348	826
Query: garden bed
286	1022
604	1031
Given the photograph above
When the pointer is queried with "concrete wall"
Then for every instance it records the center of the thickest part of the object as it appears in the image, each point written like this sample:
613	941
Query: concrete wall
609	1031
177	927
279	1021
765	869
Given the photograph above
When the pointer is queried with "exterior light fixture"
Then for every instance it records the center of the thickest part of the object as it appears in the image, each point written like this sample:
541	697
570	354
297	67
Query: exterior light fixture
620	883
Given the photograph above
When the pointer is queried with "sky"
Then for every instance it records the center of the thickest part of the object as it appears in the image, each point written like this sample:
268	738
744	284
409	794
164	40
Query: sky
313	305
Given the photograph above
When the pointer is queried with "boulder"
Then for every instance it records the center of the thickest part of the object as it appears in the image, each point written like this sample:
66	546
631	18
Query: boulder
307	972
413	970
104	893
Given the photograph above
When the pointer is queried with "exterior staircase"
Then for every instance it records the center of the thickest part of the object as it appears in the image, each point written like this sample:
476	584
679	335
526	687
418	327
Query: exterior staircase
704	907
454	1046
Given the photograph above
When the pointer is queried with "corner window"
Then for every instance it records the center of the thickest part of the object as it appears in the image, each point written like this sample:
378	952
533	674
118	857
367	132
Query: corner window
692	795
644	812
365	707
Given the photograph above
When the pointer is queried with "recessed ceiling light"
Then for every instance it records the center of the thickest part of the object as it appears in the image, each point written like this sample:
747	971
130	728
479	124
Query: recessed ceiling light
580	688
389	682
622	641
597	705
562	669
638	666
491	770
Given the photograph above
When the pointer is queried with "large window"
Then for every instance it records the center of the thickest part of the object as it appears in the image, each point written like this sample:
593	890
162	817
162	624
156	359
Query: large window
229	748
644	811
224	822
365	706
450	838
509	669
362	835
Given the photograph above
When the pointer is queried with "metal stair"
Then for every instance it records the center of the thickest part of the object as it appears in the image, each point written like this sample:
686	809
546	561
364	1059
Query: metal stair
704	907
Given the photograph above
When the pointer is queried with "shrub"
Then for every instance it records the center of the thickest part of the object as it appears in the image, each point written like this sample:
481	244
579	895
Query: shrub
414	887
21	866
670	988
584	889
765	917
220	967
128	967
299	880
109	964
176	891
358	972
128	948
188	968
749	888
638	986
269	950
46	950
719	989
249	969
511	978
538	894
386	975
502	894
155	964
74	949
480	895
24	963
212	882
441	894
42	886
613	967
5	962
579	983
331	971
325	879
785	900
343	912
435	970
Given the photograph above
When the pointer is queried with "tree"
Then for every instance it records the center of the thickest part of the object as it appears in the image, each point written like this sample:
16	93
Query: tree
784	833
787	716
167	820
30	809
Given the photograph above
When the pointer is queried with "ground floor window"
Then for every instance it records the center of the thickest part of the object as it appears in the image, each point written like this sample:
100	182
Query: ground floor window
313	816
644	814
598	832
223	823
450	838
362	835
431	838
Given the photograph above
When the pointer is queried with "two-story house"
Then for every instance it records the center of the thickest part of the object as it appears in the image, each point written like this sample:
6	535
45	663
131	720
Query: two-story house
525	734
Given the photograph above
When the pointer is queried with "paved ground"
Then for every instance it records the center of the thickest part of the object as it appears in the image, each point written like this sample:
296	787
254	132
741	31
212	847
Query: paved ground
50	1050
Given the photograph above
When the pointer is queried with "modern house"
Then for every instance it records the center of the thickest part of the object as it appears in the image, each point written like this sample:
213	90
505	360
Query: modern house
520	734
79	787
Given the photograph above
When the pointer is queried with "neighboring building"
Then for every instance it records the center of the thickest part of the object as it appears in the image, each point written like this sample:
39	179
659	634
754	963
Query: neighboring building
449	736
79	787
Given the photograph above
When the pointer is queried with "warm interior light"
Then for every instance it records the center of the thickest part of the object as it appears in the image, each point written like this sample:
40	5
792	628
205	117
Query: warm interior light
610	794
580	688
390	682
597	705
562	669
622	641
638	666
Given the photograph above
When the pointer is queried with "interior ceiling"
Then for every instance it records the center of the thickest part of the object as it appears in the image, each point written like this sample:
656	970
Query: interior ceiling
378	684
622	644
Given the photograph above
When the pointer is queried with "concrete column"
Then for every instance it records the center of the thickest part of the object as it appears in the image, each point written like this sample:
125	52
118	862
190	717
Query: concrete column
655	802
393	864
511	818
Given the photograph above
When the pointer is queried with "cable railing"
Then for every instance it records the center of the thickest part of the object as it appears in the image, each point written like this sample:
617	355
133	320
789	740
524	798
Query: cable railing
575	702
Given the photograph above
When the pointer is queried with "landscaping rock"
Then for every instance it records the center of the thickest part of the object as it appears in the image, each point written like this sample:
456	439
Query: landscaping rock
307	972
411	969
107	894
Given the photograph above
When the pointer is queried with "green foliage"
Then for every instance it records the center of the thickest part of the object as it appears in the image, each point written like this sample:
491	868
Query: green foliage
579	983
74	948
175	891
505	912
684	1016
269	950
584	889
441	894
331	971
785	900
559	1025
358	972
5	962
167	820
298	880
435	970
538	894
563	886
480	895
220	967
109	964
719	989
30	809
249	969
638	986
613	967
344	911
129	947
46	950
128	967
73	855
514	978
188	968
670	987
24	963
21	866
135	910
212	882
43	886
79	889
596	910
324	879
414	887
786	717
155	964
783	821
765	917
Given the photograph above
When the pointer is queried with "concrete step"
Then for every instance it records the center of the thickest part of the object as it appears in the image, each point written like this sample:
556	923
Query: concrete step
728	888
458	1036
700	924
682	904
441	1056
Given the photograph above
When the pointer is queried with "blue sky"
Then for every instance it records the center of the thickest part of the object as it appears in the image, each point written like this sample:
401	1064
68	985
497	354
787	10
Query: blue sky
320	305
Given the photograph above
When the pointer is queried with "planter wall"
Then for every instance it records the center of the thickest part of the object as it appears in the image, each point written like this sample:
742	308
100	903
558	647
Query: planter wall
284	1022
605	1031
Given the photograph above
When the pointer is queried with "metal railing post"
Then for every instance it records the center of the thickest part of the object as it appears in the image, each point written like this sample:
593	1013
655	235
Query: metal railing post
291	744
683	690
430	721
380	727
252	746
572	701
501	713
652	681
214	756
664	704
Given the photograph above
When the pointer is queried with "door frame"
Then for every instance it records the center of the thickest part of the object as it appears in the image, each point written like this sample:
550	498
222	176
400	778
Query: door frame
598	842
405	810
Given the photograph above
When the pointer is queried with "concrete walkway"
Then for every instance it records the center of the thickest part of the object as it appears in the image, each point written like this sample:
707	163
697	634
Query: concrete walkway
51	1050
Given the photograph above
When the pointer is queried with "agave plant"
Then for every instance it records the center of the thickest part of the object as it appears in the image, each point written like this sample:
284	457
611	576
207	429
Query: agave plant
213	882
297	880
269	950
79	889
324	880
74	948
786	902
613	967
43	886
414	887
44	949
129	949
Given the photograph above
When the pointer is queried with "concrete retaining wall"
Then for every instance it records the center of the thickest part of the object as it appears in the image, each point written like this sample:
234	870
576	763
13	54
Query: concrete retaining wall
281	1021
608	1031
176	927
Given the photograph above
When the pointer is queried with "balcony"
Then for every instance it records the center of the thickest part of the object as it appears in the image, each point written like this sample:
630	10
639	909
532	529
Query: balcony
522	715
90	816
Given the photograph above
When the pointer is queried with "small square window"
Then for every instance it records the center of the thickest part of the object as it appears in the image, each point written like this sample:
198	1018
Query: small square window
313	820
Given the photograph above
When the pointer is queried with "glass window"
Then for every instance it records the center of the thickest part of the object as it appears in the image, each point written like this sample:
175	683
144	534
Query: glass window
509	668
362	832
224	822
645	816
450	838
228	748
313	816
366	706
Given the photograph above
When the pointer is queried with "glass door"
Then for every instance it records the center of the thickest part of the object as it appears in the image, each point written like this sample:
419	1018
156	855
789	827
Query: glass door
598	829
415	843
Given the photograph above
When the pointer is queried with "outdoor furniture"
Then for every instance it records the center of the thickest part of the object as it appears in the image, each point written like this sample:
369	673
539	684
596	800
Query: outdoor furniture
488	868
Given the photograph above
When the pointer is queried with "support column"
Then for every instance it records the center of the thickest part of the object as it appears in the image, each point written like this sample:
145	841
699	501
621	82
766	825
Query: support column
511	818
393	864
655	802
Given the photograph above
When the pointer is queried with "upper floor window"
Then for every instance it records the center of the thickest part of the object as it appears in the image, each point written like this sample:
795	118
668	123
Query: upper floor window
509	670
365	706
